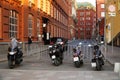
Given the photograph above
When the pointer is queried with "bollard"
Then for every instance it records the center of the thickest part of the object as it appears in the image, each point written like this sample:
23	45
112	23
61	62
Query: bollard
117	67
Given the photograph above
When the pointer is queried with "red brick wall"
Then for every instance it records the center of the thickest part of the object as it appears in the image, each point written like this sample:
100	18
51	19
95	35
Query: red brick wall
85	34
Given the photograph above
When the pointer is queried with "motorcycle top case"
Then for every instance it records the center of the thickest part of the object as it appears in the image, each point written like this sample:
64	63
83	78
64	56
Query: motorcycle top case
93	63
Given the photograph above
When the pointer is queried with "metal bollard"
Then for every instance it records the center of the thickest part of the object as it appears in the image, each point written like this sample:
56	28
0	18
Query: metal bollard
117	67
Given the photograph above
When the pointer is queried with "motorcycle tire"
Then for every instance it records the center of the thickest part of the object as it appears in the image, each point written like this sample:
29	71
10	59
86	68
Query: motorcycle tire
77	64
10	64
98	65
56	62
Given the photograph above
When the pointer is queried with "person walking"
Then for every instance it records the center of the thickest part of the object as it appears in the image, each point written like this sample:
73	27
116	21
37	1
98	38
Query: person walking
29	44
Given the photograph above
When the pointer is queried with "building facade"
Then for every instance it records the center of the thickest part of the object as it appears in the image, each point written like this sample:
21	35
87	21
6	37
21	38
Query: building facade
112	23
86	21
40	19
72	29
100	14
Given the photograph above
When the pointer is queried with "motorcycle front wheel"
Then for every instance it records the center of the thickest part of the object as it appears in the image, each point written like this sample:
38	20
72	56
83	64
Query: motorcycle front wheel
10	64
56	62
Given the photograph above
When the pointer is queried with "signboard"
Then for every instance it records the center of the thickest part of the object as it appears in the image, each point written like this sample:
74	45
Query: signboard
111	9
112	14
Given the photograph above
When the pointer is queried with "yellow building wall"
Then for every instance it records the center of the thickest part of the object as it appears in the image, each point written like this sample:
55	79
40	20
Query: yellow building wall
112	21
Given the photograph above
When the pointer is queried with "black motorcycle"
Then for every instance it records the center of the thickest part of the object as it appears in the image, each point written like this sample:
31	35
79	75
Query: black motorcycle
55	54
97	62
15	57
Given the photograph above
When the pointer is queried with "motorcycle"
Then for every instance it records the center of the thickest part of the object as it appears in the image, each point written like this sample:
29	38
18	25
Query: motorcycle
77	59
97	62
15	57
55	55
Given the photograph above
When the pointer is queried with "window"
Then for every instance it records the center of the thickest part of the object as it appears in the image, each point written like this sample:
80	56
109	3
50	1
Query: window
32	1
81	18
30	24
39	4
87	13
87	18
38	26
102	14
13	24
51	11
81	13
102	5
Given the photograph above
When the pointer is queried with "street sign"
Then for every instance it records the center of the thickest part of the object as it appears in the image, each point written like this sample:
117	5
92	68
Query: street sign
111	8
112	14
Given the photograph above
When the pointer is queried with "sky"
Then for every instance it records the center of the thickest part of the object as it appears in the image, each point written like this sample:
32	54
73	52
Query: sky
93	2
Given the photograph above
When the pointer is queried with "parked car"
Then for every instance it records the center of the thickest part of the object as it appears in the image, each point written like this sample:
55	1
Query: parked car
59	40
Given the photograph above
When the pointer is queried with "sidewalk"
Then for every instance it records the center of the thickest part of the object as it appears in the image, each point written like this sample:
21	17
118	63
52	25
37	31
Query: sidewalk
112	57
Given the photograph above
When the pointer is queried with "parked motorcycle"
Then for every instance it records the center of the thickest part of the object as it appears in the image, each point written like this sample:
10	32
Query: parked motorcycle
97	62
15	57
77	58
55	54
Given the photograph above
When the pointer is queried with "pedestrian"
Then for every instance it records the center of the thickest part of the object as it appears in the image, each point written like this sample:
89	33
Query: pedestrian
29	44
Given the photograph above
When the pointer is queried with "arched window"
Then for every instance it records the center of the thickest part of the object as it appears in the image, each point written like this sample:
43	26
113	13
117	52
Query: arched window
30	24
13	23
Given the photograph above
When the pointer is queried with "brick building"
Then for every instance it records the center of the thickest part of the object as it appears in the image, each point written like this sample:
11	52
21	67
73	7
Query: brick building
72	29
100	9
40	19
86	20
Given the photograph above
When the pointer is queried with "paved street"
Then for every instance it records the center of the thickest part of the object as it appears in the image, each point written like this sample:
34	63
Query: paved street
39	67
56	75
34	68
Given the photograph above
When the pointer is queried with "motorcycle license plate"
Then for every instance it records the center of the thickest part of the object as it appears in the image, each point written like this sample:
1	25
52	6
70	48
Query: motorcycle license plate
53	57
76	59
11	53
93	64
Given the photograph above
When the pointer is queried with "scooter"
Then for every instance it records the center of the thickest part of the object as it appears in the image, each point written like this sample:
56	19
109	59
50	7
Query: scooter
15	57
77	58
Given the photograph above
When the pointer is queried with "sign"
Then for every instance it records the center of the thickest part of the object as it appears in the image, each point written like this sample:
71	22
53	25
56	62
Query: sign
111	8
112	14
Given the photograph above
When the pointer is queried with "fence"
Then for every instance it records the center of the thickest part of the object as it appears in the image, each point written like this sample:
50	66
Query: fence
68	54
